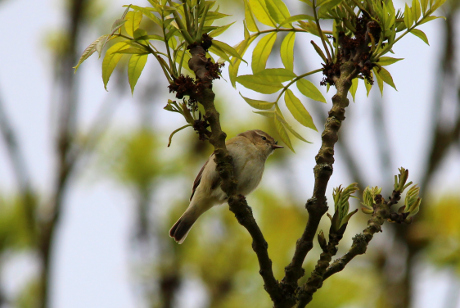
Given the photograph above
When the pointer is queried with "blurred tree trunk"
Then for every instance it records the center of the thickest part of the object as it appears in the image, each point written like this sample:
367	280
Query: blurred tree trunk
443	138
65	109
399	292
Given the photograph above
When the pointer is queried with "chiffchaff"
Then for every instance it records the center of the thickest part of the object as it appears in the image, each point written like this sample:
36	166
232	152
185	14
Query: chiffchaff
249	151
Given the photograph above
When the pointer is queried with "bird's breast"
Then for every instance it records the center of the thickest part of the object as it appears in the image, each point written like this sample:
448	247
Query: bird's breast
249	169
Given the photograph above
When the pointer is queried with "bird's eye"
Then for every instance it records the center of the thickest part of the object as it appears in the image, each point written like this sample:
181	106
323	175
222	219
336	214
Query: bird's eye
264	138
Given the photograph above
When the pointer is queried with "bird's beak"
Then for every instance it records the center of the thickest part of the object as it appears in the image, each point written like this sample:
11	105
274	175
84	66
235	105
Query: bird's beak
276	146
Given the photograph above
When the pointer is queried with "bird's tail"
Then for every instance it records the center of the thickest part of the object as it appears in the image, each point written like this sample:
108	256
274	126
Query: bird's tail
182	227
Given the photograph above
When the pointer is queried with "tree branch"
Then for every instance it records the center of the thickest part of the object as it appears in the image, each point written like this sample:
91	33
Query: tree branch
20	169
66	128
317	205
361	241
237	204
315	281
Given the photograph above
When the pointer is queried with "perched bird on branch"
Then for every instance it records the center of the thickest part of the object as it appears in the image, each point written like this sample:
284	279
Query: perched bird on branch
249	151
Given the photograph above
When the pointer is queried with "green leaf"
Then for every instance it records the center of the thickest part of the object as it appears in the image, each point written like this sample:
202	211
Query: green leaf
247	35
261	84
416	12
208	29
133	20
117	25
379	80
308	2
110	61
408	20
308	89
173	32
277	10
184	57
295	18
368	86
319	51
262	52
268	114
298	110
430	18
227	49
310	27
101	44
354	87
150	37
390	16
134	50
282	132
386	76
235	64
126	11
139	34
400	26
327	6
437	4
119	22
135	66
218	51
213	15
260	10
261	105
289	128
384	61
220	30
147	12
90	50
424	4
287	51
278	74
420	34
249	18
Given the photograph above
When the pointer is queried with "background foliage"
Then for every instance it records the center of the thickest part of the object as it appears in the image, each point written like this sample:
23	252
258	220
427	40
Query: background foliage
155	183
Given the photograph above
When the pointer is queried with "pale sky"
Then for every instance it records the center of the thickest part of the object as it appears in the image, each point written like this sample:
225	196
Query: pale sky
92	254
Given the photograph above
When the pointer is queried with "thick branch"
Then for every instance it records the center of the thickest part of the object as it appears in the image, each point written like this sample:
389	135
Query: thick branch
237	204
317	205
315	281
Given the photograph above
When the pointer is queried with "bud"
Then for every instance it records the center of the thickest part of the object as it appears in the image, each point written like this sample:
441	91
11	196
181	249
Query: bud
412	201
322	241
400	180
369	199
341	200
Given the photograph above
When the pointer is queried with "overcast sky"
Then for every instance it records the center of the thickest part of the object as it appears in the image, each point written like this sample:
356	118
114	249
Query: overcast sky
92	260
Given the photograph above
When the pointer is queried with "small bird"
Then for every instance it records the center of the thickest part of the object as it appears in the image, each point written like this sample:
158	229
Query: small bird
249	151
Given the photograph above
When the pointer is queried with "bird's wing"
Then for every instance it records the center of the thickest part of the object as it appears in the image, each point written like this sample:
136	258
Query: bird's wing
198	180
215	179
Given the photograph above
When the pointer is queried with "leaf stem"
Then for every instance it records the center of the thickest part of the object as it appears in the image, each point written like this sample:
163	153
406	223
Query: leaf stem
315	15
177	130
182	27
294	80
389	46
170	60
